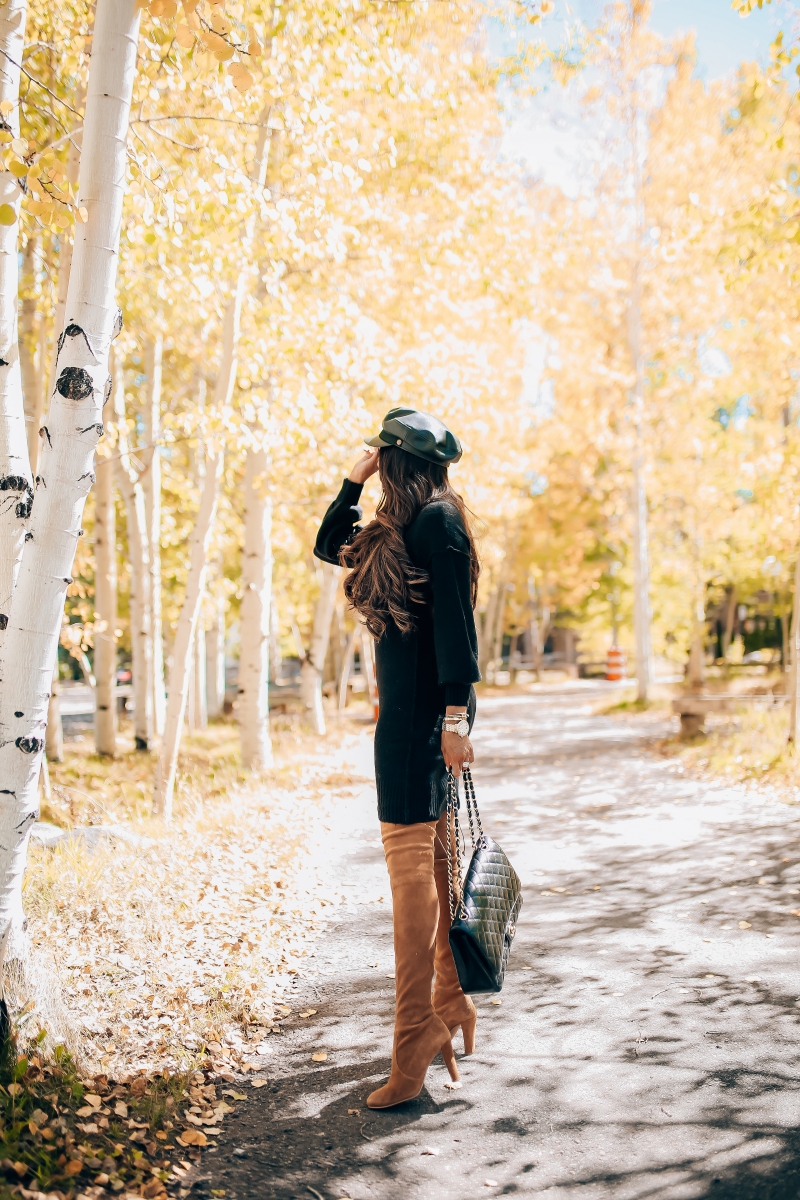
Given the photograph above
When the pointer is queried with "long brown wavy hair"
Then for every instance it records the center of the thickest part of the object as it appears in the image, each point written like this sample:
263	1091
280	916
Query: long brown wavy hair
383	584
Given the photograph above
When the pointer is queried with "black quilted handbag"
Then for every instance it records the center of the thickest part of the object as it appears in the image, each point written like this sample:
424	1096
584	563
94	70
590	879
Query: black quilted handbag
484	907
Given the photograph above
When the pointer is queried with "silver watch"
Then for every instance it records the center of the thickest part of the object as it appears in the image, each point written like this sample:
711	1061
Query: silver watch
459	725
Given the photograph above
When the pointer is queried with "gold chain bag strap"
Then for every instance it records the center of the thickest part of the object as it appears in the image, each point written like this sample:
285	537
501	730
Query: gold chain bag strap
485	905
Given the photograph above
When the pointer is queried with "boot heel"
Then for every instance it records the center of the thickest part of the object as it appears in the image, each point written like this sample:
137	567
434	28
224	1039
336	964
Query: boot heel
449	1056
468	1030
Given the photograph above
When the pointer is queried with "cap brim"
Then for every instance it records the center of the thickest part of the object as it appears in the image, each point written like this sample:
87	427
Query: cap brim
375	441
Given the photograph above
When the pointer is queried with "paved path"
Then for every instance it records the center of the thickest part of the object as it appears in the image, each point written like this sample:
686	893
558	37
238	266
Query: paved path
646	1045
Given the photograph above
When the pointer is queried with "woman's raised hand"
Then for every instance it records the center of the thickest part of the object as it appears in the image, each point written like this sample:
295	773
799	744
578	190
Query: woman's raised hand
367	465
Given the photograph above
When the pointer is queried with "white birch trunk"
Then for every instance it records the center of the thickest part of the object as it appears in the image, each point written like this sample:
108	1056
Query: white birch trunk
275	659
696	675
347	669
30	364
311	671
139	568
184	638
151	480
54	743
65	253
105	600
16	481
195	583
794	679
215	661
486	633
253	692
74	425
199	679
367	647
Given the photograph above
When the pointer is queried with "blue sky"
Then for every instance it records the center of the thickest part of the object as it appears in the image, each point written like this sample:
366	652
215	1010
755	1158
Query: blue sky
724	39
552	133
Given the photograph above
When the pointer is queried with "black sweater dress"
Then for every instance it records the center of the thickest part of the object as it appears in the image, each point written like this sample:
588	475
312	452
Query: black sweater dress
421	672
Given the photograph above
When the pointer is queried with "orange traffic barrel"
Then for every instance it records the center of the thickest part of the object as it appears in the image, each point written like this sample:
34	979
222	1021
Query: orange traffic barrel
616	664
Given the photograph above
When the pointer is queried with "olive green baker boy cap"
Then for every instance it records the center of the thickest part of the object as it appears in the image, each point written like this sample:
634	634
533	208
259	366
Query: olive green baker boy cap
419	433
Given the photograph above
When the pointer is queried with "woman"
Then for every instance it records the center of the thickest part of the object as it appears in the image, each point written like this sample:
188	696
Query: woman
413	579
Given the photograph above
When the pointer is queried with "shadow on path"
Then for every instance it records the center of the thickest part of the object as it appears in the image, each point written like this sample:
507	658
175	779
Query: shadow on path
645	1045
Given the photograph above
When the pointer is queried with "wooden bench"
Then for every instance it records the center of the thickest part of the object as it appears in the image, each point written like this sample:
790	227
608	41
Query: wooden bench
694	707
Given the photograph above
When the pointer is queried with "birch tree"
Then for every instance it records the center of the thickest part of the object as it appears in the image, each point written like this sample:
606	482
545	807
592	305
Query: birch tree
105	640
16	483
314	661
152	496
139	571
253	690
198	566
74	424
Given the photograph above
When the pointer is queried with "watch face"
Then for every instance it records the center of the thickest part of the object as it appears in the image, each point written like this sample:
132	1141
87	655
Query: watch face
463	728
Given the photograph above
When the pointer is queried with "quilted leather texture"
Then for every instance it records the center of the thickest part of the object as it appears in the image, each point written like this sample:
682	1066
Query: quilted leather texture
481	941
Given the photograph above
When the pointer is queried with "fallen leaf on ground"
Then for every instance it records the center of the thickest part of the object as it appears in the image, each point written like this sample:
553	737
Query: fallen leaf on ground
320	1057
745	925
428	1150
258	1083
490	1183
497	1001
193	1137
72	1168
453	1085
752	979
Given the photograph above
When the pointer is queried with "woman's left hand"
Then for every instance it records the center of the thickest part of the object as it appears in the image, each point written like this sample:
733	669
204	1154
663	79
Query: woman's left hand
457	751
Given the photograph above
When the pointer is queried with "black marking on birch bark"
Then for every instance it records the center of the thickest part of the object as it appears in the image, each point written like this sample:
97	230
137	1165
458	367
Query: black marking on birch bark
107	391
7	792
3	362
31	816
45	432
118	323
98	427
72	331
18	483
41	480
89	475
67	579
29	536
3	621
29	745
74	383
140	743
19	714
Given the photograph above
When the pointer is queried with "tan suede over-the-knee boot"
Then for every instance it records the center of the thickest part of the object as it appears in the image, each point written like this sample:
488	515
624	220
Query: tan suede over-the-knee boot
451	1004
419	1035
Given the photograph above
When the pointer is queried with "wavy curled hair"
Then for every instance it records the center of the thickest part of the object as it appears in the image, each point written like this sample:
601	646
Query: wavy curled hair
383	584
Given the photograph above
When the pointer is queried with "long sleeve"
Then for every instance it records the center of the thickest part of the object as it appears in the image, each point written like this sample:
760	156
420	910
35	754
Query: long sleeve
340	523
440	545
454	633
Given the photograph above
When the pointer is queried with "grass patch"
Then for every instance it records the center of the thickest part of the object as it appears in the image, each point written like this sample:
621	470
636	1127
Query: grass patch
745	747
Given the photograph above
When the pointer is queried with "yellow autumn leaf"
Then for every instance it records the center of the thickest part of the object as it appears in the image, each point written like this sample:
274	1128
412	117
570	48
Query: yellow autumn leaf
6	107
320	1056
19	146
7	217
82	215
184	37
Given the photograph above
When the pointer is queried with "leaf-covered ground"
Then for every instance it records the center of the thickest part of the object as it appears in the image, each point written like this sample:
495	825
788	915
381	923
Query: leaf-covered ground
161	960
